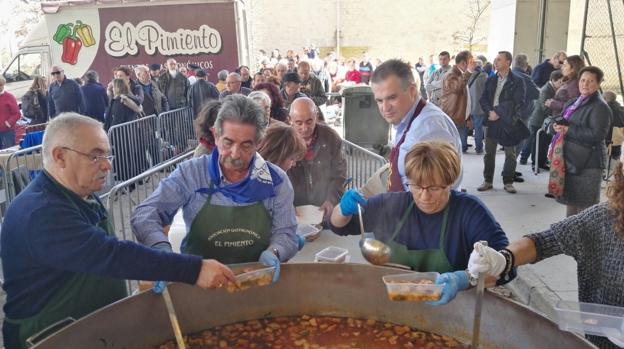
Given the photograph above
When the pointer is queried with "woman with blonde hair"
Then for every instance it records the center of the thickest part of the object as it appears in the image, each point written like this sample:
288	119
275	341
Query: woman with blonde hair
282	146
431	227
35	101
123	107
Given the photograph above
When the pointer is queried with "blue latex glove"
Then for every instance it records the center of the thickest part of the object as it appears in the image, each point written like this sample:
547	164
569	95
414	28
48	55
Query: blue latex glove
453	283
349	202
159	287
300	242
269	259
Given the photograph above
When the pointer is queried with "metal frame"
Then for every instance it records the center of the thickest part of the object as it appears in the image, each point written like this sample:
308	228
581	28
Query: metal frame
361	163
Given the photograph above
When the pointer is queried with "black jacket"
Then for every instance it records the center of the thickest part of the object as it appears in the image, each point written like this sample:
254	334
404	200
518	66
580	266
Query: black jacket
584	145
118	112
200	92
510	101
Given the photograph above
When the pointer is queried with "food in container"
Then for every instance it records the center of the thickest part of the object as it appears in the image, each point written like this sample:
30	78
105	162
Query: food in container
308	231
415	287
250	276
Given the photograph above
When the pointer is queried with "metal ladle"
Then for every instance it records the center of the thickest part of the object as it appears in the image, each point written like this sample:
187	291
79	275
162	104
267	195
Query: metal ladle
374	251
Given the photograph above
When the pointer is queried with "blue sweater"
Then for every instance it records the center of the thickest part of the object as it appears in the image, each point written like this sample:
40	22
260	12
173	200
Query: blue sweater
46	240
469	221
96	100
66	97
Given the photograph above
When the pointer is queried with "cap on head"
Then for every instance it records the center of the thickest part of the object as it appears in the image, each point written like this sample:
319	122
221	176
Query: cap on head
292	77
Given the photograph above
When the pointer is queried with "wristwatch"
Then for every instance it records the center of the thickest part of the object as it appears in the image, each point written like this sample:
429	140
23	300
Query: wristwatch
472	279
276	252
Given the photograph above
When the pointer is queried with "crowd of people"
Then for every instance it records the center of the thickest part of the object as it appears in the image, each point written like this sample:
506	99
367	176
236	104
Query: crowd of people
264	149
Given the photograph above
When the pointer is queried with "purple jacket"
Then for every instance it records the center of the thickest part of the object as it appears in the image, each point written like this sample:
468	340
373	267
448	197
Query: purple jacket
566	92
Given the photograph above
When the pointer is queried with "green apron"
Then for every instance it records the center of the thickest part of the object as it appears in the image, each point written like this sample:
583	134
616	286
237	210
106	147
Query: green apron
81	294
229	234
421	260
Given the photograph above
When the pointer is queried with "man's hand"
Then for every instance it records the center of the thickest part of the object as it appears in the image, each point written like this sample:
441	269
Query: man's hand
214	275
327	209
493	116
269	259
484	259
560	128
547	102
7	124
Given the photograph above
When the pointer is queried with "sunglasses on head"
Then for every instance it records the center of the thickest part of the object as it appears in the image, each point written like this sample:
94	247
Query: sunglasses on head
55	72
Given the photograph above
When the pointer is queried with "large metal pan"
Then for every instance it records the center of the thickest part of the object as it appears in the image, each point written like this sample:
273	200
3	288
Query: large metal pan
317	289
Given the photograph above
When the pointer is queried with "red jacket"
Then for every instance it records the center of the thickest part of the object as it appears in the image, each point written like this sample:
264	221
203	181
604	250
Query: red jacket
9	111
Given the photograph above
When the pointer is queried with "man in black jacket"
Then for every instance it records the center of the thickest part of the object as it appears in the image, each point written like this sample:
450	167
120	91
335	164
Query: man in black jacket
201	91
502	101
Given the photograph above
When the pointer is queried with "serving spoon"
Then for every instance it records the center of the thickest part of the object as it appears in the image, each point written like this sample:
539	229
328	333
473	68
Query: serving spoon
373	250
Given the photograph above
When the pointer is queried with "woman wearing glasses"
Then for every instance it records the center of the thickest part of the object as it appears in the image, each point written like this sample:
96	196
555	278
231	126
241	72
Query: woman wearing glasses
431	227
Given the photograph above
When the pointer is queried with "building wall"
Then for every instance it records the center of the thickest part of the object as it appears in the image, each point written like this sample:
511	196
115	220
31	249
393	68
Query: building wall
398	28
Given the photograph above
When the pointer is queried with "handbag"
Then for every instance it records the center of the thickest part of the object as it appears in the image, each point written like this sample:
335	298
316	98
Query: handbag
556	180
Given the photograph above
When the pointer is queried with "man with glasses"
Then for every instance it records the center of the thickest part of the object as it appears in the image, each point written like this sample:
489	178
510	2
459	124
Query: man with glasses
59	253
64	95
233	86
541	72
237	207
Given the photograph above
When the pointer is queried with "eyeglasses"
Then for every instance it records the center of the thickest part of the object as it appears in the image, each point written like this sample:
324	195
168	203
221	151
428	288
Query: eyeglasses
94	158
433	190
55	72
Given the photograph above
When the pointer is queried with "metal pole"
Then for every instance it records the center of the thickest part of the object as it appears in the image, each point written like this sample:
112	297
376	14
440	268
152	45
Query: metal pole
536	169
337	28
615	48
541	31
584	35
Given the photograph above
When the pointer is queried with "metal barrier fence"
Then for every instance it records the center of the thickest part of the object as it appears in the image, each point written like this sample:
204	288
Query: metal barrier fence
18	169
135	146
361	163
175	130
124	197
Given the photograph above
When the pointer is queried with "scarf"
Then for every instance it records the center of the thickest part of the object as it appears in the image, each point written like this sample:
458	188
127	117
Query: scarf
257	186
567	114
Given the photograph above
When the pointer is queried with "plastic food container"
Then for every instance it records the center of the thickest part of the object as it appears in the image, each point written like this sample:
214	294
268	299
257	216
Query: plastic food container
308	231
251	275
589	318
415	287
332	254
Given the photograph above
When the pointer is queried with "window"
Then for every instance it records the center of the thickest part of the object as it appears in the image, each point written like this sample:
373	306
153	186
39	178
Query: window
24	67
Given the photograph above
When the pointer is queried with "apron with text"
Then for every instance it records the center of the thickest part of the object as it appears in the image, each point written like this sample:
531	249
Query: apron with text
229	234
421	260
394	179
79	296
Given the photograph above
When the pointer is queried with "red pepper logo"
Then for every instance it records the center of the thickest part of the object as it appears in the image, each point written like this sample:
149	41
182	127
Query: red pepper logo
73	40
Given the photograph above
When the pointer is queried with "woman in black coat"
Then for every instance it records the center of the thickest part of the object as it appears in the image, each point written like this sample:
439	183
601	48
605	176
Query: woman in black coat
583	124
127	143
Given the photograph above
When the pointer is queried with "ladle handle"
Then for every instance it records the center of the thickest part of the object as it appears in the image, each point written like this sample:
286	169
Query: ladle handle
361	221
476	324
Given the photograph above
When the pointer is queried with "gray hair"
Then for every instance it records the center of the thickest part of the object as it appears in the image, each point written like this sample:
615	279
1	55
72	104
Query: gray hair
2	80
521	61
62	131
304	100
141	68
92	76
236	76
260	96
241	109
222	75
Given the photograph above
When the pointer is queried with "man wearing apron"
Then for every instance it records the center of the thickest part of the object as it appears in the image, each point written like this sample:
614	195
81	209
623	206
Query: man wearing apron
412	118
59	254
237	207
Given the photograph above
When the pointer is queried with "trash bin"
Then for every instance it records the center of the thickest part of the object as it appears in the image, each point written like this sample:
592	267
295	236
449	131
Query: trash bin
363	124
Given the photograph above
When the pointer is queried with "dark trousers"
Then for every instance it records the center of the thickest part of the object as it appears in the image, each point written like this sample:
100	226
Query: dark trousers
7	139
529	148
489	161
